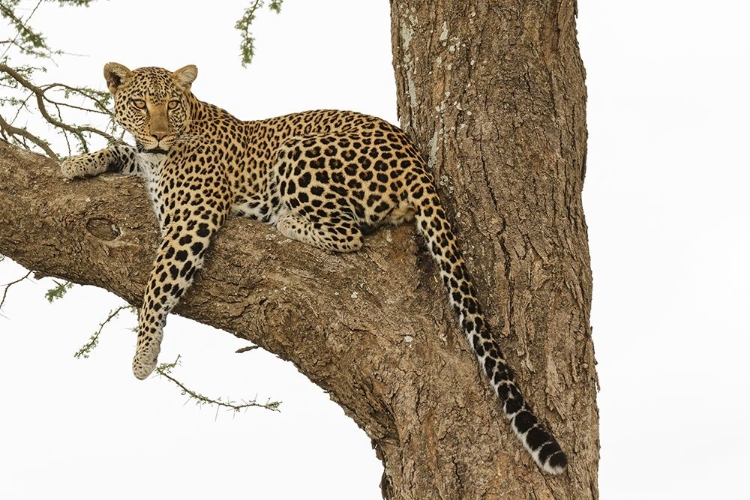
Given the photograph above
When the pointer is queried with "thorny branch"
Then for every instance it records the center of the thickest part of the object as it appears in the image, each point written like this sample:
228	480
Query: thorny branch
52	109
85	350
164	370
7	286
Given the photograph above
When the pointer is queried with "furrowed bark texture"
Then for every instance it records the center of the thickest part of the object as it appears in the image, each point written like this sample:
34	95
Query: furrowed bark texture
494	96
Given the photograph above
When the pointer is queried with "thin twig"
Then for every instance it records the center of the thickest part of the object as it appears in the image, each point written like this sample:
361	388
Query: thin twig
85	350
85	93
7	286
164	370
42	100
246	349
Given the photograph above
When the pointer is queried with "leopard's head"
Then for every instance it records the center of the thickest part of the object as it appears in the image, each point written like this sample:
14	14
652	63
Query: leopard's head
153	104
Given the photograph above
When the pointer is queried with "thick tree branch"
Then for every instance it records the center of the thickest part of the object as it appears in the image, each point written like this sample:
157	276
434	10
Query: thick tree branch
371	328
7	130
322	311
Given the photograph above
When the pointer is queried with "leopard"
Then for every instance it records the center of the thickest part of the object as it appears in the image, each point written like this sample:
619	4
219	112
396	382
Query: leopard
323	177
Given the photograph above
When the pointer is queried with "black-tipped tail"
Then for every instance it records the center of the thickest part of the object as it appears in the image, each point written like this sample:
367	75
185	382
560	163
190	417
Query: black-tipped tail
540	444
434	226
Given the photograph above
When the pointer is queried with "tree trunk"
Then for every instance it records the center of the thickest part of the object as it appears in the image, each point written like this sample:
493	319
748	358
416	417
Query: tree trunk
494	94
495	98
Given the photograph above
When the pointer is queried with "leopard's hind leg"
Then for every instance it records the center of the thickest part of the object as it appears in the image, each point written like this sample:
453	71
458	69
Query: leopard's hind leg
335	233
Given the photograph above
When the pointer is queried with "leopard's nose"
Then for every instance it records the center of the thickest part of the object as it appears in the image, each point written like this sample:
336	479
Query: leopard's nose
158	135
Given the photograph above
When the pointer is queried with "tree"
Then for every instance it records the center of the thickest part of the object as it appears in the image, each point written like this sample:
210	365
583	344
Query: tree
495	98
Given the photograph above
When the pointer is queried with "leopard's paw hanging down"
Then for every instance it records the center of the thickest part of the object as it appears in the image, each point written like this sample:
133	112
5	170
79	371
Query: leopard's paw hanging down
145	359
319	177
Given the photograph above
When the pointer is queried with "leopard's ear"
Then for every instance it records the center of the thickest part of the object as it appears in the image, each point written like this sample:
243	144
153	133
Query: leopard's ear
116	75
185	76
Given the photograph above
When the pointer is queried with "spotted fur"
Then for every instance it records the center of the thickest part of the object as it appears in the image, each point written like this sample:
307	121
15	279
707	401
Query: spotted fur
320	177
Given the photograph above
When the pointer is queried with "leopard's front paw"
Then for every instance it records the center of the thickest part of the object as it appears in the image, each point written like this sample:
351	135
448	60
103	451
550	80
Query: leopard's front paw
146	356
82	166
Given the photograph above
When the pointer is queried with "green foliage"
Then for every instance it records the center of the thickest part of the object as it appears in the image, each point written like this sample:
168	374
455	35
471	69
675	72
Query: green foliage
27	40
80	3
58	291
247	44
22	100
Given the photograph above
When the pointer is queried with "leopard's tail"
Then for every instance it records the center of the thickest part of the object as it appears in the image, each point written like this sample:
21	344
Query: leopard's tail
434	226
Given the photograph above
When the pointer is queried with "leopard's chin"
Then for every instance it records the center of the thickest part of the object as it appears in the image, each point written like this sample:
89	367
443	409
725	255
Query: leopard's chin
156	149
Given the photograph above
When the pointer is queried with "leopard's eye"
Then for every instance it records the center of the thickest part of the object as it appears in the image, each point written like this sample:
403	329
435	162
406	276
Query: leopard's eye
139	103
173	104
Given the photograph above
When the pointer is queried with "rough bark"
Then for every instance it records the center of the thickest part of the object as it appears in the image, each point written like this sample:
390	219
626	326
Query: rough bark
494	95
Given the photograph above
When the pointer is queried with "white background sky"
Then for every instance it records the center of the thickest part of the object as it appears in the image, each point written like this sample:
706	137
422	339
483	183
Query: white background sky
666	203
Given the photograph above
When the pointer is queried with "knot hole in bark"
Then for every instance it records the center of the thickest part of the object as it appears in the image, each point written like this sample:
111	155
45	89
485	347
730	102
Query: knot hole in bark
103	229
